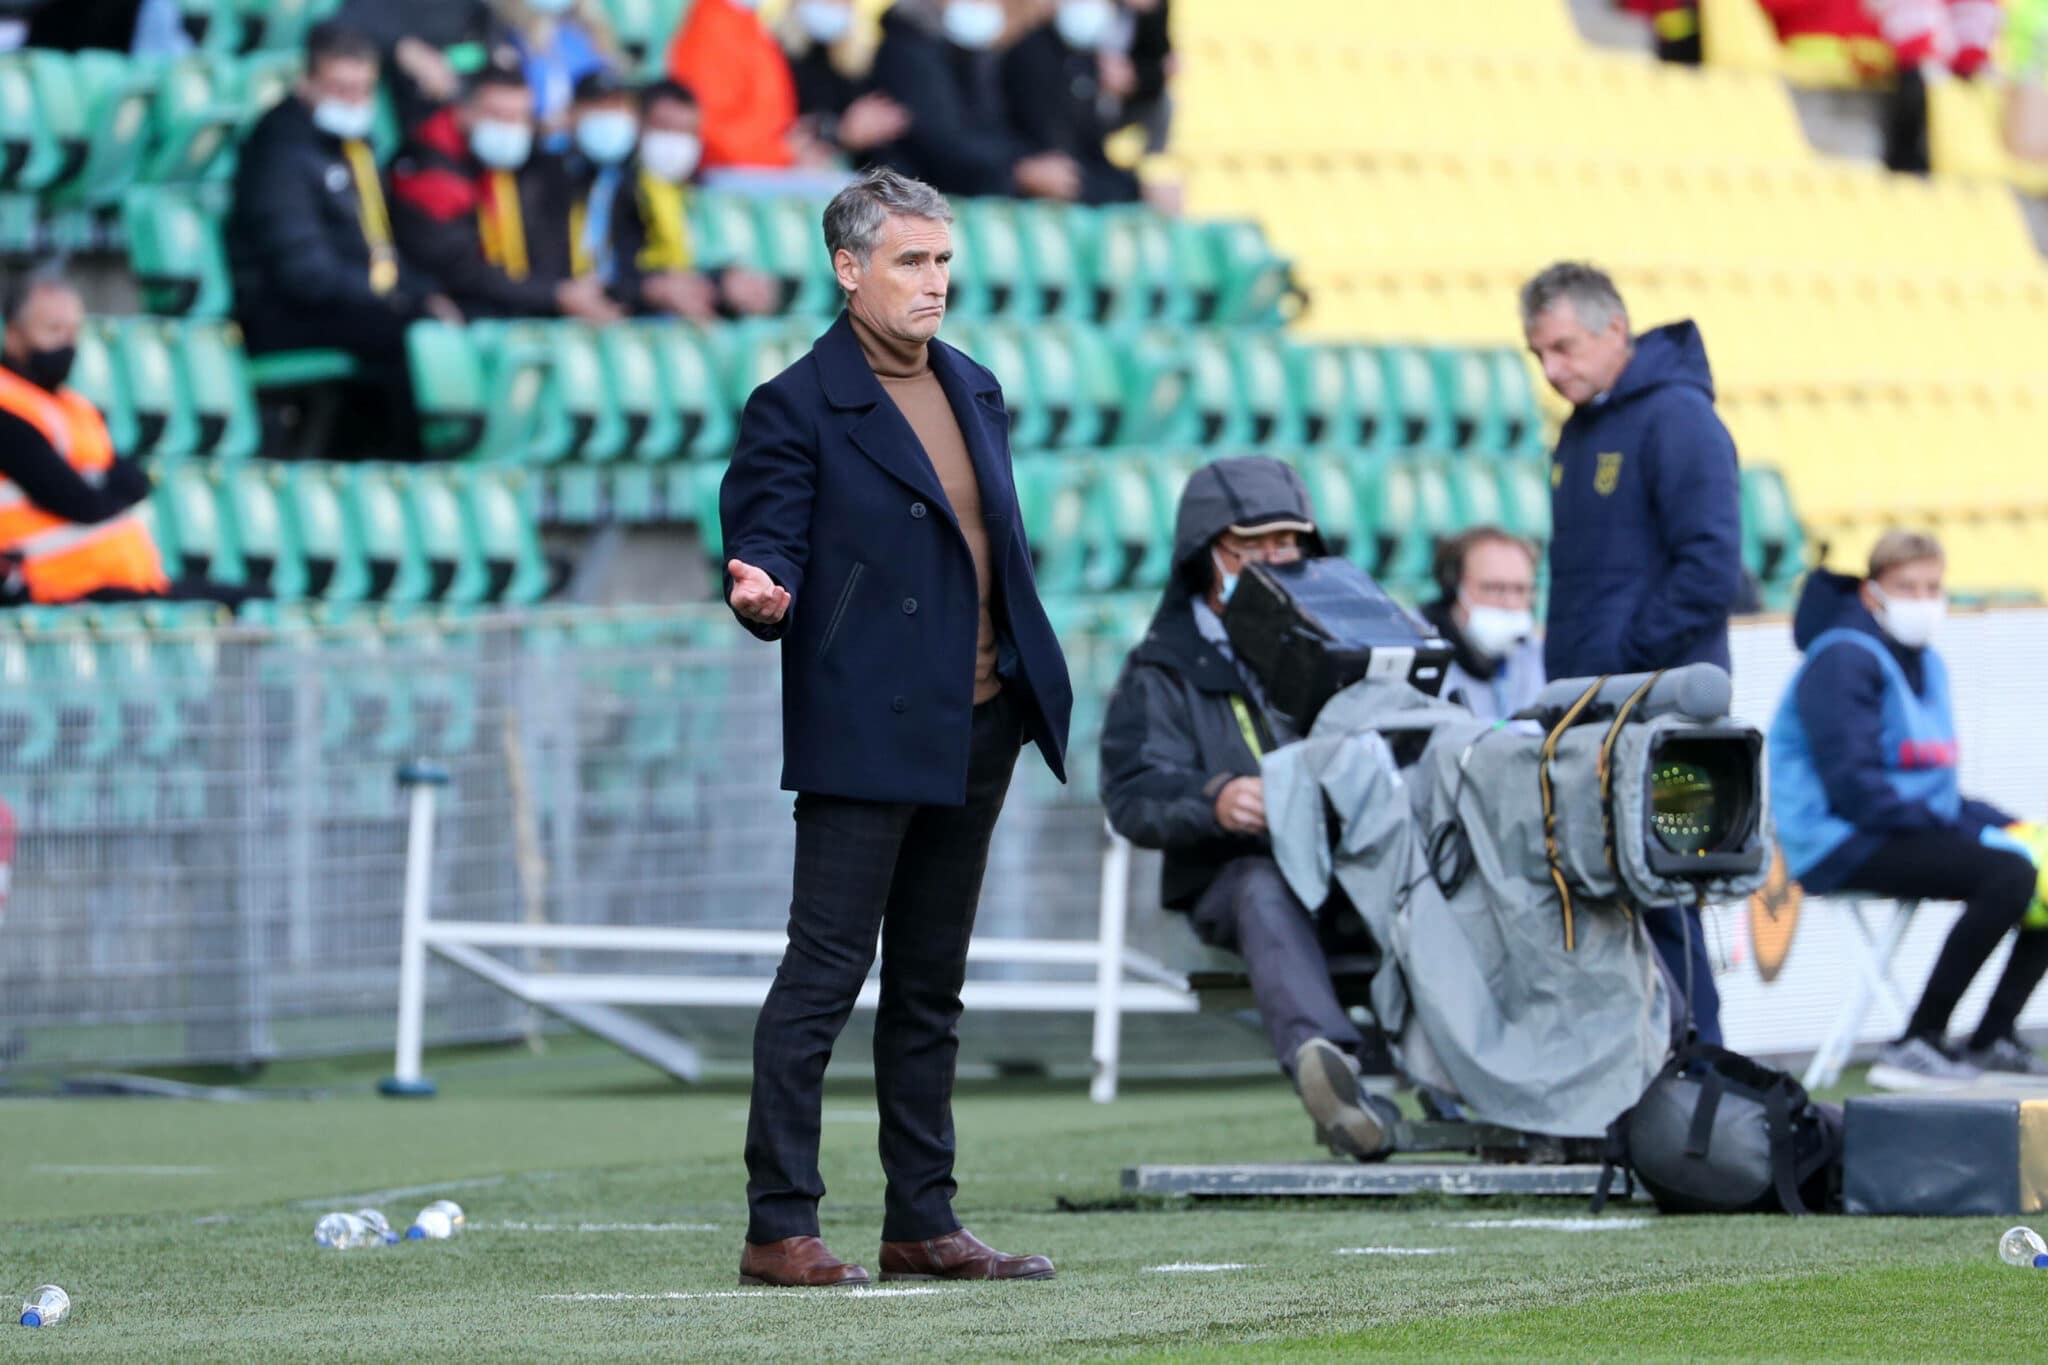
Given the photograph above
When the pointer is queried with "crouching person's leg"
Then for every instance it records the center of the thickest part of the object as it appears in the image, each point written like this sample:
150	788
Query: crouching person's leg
1250	911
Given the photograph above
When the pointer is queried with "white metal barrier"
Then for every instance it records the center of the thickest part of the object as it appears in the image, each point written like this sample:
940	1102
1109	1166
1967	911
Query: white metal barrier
1124	981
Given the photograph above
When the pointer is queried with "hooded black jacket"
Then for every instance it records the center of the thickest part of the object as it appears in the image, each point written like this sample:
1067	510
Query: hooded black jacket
1171	737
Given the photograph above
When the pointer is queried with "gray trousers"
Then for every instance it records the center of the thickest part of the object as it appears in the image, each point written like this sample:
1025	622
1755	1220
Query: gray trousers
1248	910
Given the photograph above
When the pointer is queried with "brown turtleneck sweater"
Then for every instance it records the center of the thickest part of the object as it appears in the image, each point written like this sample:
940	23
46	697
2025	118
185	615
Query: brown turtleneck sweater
906	375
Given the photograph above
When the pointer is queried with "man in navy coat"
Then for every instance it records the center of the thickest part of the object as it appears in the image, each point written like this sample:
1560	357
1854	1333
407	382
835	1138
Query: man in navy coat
1645	515
873	526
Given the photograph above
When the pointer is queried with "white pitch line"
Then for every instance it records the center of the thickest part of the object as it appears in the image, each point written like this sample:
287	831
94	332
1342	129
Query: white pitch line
1557	1224
401	1192
1394	1251
857	1292
595	1227
1197	1267
124	1170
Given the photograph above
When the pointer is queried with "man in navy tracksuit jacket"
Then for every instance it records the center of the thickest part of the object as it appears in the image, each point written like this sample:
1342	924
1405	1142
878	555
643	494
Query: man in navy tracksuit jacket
1646	519
1864	784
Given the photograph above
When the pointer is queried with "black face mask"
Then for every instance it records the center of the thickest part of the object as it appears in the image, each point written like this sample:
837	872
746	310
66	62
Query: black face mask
49	369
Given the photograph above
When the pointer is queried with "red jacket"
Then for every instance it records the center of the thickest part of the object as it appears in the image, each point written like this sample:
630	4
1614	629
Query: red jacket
743	84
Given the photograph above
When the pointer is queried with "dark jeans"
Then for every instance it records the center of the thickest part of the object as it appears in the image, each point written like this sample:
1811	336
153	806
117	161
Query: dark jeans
1668	934
1249	910
1995	886
913	873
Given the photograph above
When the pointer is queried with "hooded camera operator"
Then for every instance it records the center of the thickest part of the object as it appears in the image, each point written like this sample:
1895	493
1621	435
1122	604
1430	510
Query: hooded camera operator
1181	744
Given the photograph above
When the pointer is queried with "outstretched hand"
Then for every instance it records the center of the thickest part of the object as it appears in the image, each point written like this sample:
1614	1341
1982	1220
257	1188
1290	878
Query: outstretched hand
755	595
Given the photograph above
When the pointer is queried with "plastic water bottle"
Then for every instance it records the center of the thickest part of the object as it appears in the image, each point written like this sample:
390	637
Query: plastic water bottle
379	1227
345	1232
46	1306
2024	1247
437	1222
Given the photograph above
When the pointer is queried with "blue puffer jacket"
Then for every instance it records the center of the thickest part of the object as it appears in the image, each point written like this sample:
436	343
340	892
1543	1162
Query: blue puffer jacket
1863	748
1646	520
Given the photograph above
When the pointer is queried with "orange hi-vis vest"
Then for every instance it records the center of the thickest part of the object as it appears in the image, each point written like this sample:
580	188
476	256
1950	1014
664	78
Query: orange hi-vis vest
62	561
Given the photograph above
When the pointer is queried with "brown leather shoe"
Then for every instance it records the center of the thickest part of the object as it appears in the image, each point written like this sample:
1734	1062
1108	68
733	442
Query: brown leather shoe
958	1256
796	1263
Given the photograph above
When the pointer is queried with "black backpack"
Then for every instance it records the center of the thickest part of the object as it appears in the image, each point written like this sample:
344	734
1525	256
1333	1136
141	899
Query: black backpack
1716	1132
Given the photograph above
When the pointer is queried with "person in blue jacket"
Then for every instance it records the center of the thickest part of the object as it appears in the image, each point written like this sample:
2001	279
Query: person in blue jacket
1863	778
1646	518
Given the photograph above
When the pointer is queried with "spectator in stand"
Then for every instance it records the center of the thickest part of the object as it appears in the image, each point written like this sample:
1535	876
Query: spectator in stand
310	239
429	48
1054	80
1486	584
939	60
478	206
629	223
837	114
1139	68
558	43
68	528
1931	40
1675	25
1863	759
1646	517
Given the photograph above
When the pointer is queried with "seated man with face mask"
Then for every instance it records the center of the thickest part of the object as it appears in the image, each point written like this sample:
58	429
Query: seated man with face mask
1863	758
1486	579
1181	743
487	214
629	218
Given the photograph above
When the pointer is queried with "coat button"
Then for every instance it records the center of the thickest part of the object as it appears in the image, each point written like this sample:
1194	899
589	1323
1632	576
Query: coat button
917	510
910	606
899	706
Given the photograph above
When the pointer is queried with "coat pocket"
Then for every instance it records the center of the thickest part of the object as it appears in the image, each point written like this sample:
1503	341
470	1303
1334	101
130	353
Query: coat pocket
839	608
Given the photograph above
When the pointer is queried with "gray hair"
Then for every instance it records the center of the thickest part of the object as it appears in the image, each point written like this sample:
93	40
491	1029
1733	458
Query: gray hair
1588	289
854	218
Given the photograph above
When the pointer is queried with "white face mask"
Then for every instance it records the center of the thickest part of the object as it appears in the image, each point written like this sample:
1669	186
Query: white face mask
1912	621
974	24
1084	23
670	156
607	137
501	146
1227	581
1495	631
824	21
349	122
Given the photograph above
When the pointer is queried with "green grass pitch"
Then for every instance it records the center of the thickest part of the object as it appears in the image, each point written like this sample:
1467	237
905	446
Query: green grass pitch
607	1215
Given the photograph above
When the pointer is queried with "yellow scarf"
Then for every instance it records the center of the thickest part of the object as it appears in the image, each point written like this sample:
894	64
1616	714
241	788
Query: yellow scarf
374	216
502	229
664	210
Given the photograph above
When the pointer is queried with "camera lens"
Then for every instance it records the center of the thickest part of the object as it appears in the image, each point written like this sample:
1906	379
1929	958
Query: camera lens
1686	813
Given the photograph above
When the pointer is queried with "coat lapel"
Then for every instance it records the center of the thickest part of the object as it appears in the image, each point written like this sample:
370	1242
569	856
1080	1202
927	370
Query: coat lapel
875	425
978	407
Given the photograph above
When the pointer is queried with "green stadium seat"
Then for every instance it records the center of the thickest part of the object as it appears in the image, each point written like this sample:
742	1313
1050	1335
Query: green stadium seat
1123	528
29	157
692	495
1420	419
117	99
167	426
724	231
95	374
1197	273
1154	382
686	359
1216	413
1399	547
399	571
64	113
450	389
483	391
1056	245
280	25
1252	278
1773	545
1474	489
1333	493
990	277
21	225
500	510
216	375
267	80
654	429
1003	347
765	347
1319	387
194	536
175	253
598	432
337	566
1515	398
215	25
273	560
787	231
439	525
1132	266
641	29
1525	499
197	115
301	369
1259	364
1052	496
1076	397
1464	386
